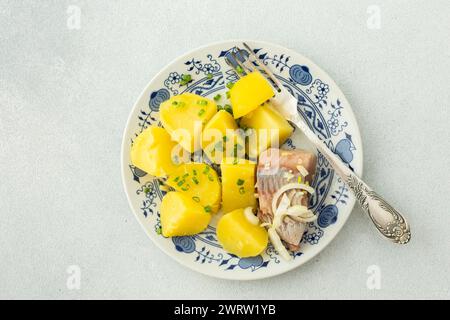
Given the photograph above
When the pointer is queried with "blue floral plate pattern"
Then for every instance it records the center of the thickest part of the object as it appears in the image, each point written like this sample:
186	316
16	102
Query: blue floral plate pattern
320	102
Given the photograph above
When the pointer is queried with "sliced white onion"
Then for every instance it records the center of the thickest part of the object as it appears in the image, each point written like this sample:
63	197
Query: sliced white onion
302	171
278	245
248	212
288	187
301	214
281	211
288	176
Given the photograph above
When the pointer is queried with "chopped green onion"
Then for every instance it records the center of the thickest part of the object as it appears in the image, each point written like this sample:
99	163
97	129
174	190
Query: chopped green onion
185	79
209	76
185	175
210	177
201	112
240	182
202	102
239	69
228	94
185	188
146	190
180	183
158	230
228	108
219	107
241	190
196	199
195	180
174	103
176	179
194	172
181	104
230	85
206	170
208	209
217	97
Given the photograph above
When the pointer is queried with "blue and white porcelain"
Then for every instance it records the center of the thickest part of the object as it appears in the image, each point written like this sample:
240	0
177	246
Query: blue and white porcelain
320	102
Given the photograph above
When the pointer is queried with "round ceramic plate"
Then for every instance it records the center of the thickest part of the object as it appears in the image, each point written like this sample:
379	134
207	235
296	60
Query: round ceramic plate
322	105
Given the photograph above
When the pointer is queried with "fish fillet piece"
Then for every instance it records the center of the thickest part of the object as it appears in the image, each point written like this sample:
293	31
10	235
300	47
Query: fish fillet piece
276	168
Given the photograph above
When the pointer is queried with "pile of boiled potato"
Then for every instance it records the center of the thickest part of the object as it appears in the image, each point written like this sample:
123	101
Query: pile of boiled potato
228	138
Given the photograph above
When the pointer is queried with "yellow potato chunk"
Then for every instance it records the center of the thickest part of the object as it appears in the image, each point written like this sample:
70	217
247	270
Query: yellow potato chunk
238	236
182	216
248	93
152	152
238	184
184	117
269	129
220	138
200	183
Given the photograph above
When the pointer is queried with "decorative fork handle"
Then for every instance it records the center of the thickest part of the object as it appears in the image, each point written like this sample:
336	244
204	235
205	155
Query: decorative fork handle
386	219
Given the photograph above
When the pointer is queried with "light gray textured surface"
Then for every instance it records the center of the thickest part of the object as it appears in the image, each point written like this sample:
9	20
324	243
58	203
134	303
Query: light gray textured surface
65	96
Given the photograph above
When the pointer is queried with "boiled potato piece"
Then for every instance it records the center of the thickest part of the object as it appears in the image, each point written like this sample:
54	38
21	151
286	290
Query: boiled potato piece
269	128
239	236
182	216
152	152
238	184
220	138
248	93
184	117
200	182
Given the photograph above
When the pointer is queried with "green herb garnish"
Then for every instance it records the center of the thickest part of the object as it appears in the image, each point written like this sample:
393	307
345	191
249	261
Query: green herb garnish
195	180
217	97
228	94
210	177
206	170
176	179
194	172
239	69
219	107
146	190
230	85
209	76
174	103
228	108
240	182
185	79
196	199
201	112
208	209
180	183
241	190
185	175
202	102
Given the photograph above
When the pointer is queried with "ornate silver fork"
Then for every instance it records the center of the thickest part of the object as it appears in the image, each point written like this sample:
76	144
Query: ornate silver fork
388	221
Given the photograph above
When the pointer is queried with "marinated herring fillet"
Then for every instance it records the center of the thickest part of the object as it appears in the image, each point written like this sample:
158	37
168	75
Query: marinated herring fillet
277	168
